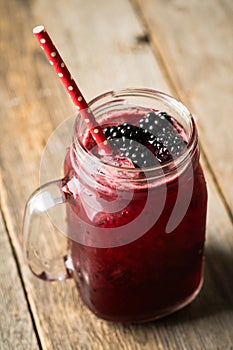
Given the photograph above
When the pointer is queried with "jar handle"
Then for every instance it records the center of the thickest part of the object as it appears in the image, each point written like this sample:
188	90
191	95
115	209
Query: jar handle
41	201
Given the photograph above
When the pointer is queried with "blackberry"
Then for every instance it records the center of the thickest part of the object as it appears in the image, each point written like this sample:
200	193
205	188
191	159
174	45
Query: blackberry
131	141
140	155
156	122
156	139
167	143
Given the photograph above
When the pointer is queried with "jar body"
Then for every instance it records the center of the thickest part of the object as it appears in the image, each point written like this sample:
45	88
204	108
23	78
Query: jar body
157	272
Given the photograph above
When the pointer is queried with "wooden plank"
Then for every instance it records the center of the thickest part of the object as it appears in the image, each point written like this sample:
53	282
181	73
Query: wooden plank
16	330
113	58
195	42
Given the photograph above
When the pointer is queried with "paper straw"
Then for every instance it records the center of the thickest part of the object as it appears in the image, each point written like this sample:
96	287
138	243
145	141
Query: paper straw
71	87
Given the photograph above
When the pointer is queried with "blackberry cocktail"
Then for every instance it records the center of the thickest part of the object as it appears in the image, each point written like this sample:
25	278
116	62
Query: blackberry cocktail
136	218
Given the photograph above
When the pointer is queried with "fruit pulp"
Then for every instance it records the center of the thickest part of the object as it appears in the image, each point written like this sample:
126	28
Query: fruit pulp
153	275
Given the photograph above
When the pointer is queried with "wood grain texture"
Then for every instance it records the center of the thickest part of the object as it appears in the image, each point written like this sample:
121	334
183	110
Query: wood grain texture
16	330
103	51
195	42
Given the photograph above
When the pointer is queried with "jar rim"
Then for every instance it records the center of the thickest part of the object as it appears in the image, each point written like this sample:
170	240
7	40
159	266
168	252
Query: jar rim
119	96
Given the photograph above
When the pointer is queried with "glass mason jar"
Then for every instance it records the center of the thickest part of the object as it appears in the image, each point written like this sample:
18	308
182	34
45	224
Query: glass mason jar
135	235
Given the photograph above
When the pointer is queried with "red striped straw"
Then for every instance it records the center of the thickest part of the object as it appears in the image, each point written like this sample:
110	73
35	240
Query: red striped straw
71	87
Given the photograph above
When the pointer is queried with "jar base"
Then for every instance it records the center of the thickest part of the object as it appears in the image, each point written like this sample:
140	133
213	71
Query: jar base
163	313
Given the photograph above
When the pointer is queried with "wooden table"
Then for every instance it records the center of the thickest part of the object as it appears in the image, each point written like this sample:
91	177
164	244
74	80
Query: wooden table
181	47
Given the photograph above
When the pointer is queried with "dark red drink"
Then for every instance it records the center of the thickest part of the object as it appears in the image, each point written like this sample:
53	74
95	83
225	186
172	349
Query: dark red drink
137	232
